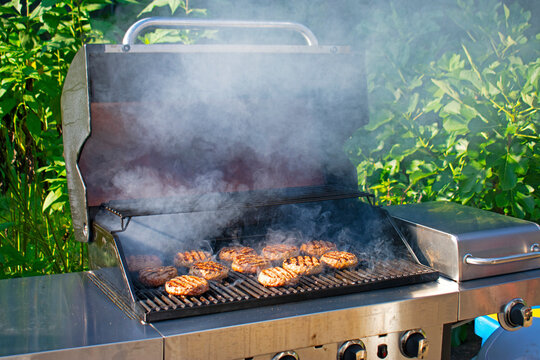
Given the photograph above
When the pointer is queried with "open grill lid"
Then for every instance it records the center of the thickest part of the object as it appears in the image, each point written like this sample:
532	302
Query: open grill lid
147	123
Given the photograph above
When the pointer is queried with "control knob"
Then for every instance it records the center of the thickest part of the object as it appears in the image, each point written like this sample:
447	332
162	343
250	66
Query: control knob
414	344
352	350
516	314
286	355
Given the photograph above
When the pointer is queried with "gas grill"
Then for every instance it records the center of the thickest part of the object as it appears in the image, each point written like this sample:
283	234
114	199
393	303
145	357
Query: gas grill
195	147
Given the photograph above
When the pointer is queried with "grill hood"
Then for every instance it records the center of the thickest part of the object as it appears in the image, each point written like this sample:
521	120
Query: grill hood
145	122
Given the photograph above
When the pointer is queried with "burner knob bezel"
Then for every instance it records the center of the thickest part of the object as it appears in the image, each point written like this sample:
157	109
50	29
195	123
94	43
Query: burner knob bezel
286	354
362	355
515	315
420	349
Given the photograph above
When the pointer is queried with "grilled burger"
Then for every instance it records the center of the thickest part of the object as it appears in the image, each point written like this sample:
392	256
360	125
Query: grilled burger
249	264
188	258
277	276
229	253
279	252
303	265
139	262
186	285
318	247
209	270
339	259
157	276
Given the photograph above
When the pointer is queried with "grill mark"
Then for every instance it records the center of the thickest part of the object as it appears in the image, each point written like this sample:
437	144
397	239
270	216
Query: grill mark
253	260
309	261
192	256
279	248
229	253
209	266
340	256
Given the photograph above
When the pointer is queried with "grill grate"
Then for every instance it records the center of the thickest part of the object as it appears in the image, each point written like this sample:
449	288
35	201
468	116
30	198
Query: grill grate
241	291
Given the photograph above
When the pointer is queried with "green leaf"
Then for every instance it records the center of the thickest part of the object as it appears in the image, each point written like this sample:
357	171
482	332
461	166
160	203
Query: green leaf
527	201
508	175
502	200
379	118
433	105
455	124
6	225
413	103
7	105
174	4
446	88
453	107
33	123
10	252
471	76
51	198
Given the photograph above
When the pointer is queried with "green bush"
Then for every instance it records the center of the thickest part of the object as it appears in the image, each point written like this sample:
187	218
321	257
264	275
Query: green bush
38	40
454	107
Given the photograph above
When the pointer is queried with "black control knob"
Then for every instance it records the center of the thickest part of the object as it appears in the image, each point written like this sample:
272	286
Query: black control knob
521	315
414	344
352	350
286	355
516	314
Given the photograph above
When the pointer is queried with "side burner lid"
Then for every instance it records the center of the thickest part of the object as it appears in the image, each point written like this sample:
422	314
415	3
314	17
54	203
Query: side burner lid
466	243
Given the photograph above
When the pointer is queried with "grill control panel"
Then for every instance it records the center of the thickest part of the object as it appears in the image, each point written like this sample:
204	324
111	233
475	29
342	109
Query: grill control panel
403	345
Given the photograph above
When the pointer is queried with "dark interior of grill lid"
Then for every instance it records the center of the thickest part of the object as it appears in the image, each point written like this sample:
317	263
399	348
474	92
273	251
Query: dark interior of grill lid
171	125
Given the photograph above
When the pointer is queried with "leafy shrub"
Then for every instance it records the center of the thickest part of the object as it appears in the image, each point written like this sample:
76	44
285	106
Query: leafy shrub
38	40
454	116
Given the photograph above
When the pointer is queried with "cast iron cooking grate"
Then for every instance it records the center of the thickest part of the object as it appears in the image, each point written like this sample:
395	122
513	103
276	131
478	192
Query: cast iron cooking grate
241	291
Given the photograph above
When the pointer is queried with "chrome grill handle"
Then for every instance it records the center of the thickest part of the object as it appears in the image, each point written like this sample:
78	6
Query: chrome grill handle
472	260
162	22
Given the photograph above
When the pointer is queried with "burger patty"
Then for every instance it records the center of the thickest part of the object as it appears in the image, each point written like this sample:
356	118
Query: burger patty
188	258
157	276
186	285
279	252
230	252
277	276
339	259
318	247
139	262
250	263
303	265
209	270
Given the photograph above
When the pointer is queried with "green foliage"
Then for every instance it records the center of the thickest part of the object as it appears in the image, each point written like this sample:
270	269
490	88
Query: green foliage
38	40
454	109
453	105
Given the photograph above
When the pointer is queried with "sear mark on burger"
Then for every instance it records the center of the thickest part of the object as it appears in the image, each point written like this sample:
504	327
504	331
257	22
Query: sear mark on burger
186	285
209	270
339	259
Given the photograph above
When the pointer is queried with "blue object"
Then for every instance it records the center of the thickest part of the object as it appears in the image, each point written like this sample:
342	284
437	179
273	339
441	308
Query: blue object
499	344
484	326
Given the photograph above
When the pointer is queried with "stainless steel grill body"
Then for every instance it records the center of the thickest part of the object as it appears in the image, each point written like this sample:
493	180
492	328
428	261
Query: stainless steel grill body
117	98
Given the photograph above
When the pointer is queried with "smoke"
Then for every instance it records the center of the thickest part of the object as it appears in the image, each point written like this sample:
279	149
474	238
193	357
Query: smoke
205	126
